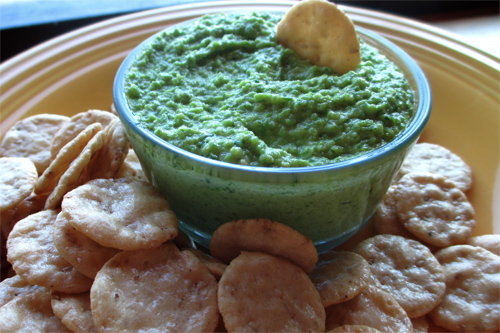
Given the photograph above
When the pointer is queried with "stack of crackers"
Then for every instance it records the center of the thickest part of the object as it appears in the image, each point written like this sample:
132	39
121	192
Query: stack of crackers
93	246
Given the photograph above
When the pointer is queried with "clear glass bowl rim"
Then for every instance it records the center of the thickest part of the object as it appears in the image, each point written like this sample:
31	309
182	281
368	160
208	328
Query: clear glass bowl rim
402	141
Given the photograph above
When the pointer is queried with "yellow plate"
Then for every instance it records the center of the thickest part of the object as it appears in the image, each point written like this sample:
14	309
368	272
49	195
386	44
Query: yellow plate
75	72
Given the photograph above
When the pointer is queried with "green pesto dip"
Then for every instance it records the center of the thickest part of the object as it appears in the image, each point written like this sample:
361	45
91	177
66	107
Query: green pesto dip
222	87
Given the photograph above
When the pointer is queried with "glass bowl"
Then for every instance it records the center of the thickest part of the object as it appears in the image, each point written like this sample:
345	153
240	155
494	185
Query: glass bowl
327	203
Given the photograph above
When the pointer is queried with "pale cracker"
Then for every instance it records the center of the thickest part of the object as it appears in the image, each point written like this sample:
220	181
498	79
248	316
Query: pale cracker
386	220
317	30
434	209
30	205
70	179
131	167
67	154
86	255
126	214
15	286
214	266
490	242
420	324
161	289
471	302
32	137
30	313
110	158
339	276
259	292
432	158
17	181
355	329
34	257
74	311
266	236
372	307
78	123
407	270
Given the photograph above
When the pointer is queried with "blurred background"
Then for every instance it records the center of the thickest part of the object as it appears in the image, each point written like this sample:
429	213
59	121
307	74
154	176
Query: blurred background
26	23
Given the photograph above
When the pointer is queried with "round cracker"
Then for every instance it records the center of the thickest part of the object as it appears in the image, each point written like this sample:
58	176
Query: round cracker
126	214
263	235
407	270
30	313
78	123
67	154
339	276
32	137
355	329
15	286
74	311
385	218
317	30
30	205
490	242
160	289
71	178
33	255
17	181
113	153
131	167
434	209
420	324
214	266
432	158
86	255
471	302
372	307
259	292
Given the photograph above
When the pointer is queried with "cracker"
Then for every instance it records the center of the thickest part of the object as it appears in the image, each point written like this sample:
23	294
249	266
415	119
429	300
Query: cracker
34	257
266	236
70	179
471	302
86	255
78	123
30	205
111	156
15	286
432	158
17	181
372	307
214	266
420	324
259	292
490	242
317	30
385	218
434	209
74	311
30	313
126	214
32	137
339	276
355	329
131	167
407	270
67	154
161	289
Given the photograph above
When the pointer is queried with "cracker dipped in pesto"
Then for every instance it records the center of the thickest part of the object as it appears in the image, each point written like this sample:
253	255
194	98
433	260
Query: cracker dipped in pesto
223	88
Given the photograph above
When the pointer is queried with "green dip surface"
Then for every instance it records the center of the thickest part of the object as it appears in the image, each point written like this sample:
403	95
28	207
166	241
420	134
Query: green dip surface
223	88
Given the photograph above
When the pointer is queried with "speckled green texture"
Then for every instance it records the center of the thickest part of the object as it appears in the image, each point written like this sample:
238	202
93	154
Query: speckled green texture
224	89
